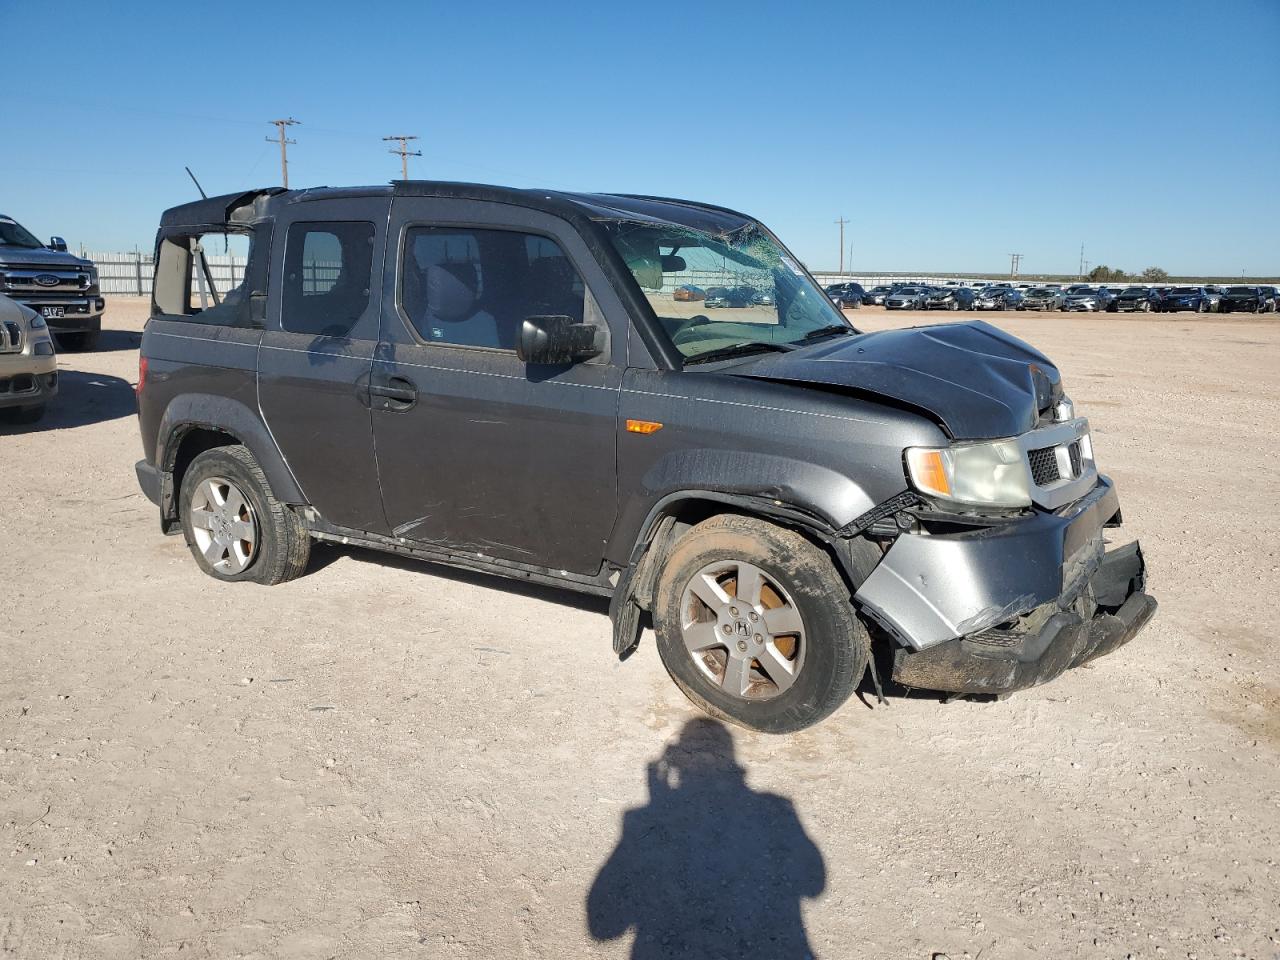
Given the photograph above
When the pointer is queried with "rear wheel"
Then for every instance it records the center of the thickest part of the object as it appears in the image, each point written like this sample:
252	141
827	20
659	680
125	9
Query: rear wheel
755	625
234	525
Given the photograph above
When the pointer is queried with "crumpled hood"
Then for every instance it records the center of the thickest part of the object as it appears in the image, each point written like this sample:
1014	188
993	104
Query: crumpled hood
974	379
40	257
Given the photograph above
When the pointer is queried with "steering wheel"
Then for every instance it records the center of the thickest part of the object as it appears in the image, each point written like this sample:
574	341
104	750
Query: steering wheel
693	323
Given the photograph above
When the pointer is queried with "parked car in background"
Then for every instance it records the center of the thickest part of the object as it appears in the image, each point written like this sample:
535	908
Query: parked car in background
688	293
931	488
1273	298
1135	298
728	297
998	298
1042	298
58	285
762	298
28	367
875	296
1196	299
846	296
1086	298
1243	299
950	298
910	297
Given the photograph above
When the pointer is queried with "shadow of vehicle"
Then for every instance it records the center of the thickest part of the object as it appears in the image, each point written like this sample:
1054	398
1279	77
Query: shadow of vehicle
324	553
83	398
710	867
110	341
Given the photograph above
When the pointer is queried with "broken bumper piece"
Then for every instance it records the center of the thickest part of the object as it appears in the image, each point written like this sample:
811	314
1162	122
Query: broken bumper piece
1010	605
1044	643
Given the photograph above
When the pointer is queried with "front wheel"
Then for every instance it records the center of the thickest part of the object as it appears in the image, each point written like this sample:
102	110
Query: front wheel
234	525
755	625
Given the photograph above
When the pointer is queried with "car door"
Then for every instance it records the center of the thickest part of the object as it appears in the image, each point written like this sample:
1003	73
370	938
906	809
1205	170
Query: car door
479	453
316	351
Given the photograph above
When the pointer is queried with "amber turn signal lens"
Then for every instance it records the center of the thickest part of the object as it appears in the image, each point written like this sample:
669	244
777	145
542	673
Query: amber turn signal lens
930	472
643	426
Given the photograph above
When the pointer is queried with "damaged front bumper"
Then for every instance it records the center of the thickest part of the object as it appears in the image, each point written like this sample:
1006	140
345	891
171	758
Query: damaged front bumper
1004	607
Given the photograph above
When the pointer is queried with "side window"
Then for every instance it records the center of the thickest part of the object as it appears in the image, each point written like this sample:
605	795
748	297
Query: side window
202	276
326	277
475	287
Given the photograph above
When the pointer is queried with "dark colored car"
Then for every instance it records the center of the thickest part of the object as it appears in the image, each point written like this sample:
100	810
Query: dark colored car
689	293
1042	298
56	284
729	297
493	378
998	298
875	296
1196	299
846	296
1135	298
1243	299
950	298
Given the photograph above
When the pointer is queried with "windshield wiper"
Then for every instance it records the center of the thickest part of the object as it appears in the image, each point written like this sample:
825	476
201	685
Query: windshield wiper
828	331
738	350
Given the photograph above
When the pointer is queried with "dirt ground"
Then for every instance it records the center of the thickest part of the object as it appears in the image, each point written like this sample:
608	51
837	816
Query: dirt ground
391	760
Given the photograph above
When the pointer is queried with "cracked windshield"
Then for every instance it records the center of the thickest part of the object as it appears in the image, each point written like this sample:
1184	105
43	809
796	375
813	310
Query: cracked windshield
724	295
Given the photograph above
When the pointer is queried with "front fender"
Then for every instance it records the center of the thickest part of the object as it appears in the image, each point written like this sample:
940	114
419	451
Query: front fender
828	498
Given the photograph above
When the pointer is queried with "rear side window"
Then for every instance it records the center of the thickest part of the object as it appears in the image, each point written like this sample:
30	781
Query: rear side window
204	277
326	277
475	287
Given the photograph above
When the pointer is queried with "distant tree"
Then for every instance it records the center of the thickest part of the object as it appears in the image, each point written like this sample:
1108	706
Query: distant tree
1155	274
1103	273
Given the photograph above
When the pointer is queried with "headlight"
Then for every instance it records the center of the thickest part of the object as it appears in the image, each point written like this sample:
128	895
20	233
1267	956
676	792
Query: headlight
36	321
990	474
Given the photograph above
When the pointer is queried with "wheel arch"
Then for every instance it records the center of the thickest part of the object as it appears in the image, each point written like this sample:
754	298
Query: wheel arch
678	511
194	423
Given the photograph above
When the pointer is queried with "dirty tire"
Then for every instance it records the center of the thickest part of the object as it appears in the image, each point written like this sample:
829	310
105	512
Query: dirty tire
283	544
837	644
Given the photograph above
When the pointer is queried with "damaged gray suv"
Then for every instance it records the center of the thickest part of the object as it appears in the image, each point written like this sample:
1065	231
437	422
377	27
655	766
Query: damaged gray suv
505	380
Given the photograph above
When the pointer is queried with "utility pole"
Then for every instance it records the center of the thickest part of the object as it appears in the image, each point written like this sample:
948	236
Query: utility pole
842	221
1082	260
405	154
1015	260
284	146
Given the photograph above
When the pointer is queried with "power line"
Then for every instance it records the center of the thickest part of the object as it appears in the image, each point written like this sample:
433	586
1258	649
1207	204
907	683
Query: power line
405	153
842	221
284	146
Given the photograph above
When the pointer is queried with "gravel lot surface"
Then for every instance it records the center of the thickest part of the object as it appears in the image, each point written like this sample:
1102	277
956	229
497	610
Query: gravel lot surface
391	760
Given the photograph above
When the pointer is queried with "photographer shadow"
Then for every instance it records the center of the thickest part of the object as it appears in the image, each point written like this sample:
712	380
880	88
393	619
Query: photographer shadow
709	867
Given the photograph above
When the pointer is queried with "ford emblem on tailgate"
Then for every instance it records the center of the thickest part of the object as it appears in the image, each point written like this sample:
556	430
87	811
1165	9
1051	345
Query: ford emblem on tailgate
46	280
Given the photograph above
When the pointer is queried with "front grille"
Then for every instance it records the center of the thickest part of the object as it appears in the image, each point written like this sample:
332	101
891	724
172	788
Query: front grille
10	337
22	383
1044	466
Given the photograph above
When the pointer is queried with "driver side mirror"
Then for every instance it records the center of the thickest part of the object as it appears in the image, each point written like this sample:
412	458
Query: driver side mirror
58	244
557	340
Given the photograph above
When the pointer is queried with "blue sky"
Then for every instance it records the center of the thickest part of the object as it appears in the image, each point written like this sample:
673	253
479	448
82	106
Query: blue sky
950	134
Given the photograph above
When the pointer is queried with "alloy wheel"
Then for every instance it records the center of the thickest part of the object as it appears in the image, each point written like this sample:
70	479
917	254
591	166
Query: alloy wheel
743	630
224	525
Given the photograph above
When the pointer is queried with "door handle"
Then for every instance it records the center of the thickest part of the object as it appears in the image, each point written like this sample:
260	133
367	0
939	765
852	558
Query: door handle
395	393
